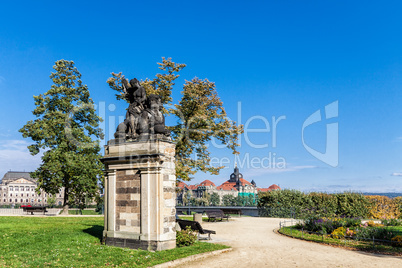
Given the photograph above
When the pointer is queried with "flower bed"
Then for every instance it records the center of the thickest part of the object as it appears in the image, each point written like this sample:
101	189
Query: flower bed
350	232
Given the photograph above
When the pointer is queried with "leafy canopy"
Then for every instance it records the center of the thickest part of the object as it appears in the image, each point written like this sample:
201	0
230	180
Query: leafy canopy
200	117
64	126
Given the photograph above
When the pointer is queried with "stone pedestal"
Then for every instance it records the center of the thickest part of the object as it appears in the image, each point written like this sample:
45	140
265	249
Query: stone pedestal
140	196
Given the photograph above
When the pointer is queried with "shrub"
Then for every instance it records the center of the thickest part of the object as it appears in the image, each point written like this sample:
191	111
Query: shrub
352	205
398	240
289	203
351	222
374	232
328	225
391	222
383	207
339	233
398	202
185	237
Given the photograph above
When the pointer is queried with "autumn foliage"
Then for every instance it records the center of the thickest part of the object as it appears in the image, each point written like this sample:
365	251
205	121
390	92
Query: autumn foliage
383	207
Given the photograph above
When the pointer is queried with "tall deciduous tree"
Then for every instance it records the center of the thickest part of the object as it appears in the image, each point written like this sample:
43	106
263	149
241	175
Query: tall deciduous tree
64	128
200	113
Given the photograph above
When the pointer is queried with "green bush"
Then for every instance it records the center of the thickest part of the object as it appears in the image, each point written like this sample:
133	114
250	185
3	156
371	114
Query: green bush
293	203
374	232
328	225
185	237
391	222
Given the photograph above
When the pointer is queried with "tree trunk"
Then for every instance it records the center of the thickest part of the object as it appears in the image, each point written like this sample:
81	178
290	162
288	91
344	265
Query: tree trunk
65	202
65	210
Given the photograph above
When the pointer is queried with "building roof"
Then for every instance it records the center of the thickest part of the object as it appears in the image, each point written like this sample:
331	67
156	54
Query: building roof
192	187
227	186
263	189
274	187
14	175
270	188
206	183
244	182
181	185
17	175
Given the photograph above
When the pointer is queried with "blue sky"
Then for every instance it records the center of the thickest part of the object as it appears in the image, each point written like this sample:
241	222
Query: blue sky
269	60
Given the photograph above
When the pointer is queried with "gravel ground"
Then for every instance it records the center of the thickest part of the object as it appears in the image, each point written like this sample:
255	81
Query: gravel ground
255	244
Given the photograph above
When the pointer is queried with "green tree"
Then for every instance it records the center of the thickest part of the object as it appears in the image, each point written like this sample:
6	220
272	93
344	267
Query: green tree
215	199
63	129
51	201
200	113
229	200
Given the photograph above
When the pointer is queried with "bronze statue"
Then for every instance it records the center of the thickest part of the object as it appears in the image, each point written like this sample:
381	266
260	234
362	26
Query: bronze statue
152	119
143	117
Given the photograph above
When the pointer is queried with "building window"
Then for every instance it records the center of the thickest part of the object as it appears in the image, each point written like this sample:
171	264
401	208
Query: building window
11	194
16	200
16	188
32	188
22	195
22	188
27	188
27	200
11	188
11	200
22	200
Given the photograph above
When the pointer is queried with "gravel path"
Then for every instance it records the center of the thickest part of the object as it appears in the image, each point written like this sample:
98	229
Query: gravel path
256	245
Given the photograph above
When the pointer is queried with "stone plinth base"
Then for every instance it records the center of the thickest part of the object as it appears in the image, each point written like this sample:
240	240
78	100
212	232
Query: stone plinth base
140	195
140	244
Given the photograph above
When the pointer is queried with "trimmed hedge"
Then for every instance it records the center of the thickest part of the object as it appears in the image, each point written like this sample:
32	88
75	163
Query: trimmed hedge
293	203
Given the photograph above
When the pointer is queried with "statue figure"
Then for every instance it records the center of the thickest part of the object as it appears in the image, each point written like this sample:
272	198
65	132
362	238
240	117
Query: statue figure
136	95
152	119
143	116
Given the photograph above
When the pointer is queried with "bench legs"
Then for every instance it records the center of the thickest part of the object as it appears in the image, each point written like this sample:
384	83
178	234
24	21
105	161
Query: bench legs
199	236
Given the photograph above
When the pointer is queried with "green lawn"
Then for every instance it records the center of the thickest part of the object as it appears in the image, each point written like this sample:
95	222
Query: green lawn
74	242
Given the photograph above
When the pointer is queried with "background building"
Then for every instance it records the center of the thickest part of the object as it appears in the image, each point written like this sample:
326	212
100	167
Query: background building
235	186
19	188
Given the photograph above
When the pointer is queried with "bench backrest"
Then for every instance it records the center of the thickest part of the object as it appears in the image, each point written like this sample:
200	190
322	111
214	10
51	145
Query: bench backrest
232	211
215	213
194	225
34	208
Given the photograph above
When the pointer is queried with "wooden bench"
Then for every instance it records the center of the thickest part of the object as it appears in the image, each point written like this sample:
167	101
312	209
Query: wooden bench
228	211
216	214
195	226
34	209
